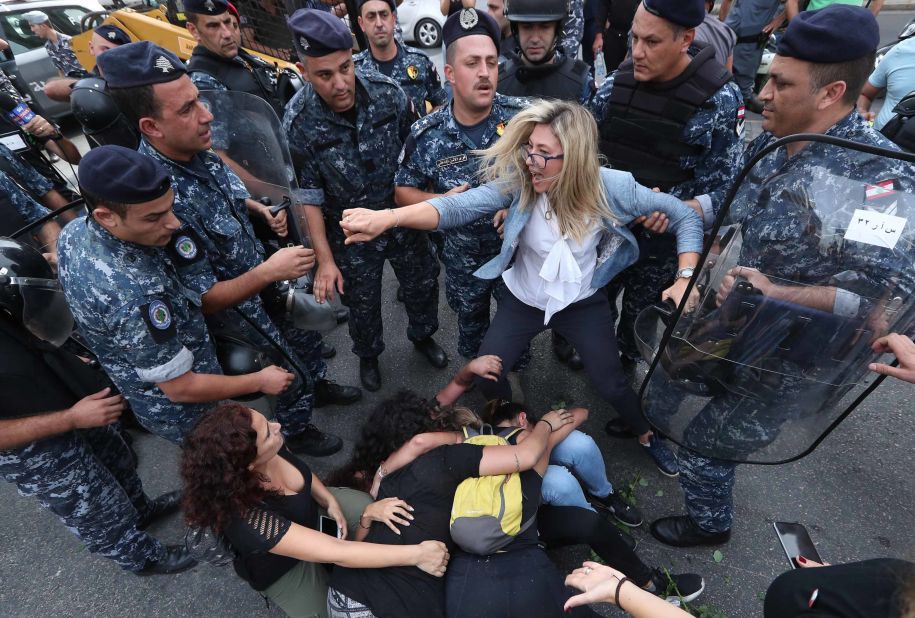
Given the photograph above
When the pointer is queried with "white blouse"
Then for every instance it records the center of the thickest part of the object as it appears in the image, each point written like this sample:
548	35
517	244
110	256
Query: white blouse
551	271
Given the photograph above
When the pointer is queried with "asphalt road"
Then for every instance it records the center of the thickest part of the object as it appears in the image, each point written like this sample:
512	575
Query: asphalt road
855	495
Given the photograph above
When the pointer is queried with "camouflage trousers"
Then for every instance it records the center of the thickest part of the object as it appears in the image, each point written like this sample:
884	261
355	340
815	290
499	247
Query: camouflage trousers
469	297
641	284
88	479
414	262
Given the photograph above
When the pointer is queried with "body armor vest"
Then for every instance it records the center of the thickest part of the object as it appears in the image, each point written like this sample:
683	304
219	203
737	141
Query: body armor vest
564	80
244	73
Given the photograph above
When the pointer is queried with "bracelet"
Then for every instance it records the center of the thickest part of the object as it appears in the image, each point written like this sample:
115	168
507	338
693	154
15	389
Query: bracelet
396	218
616	595
543	420
360	523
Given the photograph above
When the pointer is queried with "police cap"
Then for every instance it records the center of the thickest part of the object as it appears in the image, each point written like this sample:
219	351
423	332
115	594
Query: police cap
113	34
122	176
318	33
389	3
686	13
206	7
471	21
35	17
139	64
838	33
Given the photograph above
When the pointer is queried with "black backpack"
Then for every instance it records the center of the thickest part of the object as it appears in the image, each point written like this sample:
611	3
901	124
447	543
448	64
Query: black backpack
901	127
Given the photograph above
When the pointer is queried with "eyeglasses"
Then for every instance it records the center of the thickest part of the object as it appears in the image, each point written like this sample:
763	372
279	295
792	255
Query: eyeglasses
538	160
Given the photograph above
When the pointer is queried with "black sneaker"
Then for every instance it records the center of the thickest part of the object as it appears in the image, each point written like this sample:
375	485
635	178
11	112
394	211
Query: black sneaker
624	512
328	392
314	442
677	589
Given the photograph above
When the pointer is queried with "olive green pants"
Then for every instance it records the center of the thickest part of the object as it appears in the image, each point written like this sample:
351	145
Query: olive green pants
302	592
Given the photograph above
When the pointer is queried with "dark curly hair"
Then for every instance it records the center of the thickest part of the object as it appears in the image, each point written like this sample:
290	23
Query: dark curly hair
218	485
391	424
499	410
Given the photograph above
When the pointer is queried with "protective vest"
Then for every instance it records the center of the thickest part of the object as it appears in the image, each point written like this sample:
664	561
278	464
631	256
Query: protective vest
901	127
244	73
643	130
563	80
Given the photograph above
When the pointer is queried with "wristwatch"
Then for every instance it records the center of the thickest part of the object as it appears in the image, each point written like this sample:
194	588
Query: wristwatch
686	273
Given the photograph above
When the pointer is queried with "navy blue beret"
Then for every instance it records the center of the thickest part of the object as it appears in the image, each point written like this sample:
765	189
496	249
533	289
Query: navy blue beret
139	64
391	3
471	21
837	33
318	33
686	13
206	7
122	176
113	34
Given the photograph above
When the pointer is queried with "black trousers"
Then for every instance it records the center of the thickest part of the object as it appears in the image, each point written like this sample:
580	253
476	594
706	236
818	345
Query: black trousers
588	326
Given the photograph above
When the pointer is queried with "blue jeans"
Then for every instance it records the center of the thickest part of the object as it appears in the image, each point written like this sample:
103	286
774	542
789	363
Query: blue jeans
576	456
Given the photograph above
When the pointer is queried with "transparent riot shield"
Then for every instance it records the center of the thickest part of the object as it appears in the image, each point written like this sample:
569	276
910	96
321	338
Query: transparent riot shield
811	260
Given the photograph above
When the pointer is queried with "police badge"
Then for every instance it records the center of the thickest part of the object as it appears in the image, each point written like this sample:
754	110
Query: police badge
412	72
208	5
468	18
304	43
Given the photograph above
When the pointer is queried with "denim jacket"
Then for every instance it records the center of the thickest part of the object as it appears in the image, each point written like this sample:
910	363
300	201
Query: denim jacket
617	247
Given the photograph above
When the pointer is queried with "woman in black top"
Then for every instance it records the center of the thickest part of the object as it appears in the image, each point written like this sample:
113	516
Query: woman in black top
244	485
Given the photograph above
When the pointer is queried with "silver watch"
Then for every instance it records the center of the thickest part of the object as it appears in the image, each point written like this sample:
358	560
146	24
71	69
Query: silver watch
686	273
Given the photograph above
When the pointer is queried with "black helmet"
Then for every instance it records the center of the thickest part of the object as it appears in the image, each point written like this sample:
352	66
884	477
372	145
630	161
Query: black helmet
100	116
30	293
536	10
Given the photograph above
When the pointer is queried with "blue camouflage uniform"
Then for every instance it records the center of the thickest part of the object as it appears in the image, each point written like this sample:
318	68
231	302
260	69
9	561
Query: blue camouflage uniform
210	200
25	174
415	74
28	208
717	127
342	166
436	157
747	18
63	57
144	326
573	28
773	245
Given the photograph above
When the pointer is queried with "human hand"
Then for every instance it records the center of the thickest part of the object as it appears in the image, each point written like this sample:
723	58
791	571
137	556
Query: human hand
39	127
498	221
675	294
96	410
868	115
289	263
276	222
753	276
488	367
274	380
904	349
362	224
334	511
656	222
558	418
598	45
389	512
327	278
432	557
807	563
457	189
597	582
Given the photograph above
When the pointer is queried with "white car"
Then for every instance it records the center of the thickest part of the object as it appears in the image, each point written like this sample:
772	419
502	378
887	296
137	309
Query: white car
421	22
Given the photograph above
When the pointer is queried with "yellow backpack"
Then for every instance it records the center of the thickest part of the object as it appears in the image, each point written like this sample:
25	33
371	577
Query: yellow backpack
487	511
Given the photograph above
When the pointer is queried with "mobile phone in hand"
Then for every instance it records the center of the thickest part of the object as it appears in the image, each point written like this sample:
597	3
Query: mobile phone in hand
328	525
796	542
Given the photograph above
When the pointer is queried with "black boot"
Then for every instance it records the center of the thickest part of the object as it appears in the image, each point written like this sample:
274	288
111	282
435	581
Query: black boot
369	373
566	353
328	392
433	352
342	314
160	507
176	559
314	442
682	531
328	351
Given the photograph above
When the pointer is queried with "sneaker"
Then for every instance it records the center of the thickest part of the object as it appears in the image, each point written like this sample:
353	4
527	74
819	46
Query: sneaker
676	589
314	442
663	457
624	512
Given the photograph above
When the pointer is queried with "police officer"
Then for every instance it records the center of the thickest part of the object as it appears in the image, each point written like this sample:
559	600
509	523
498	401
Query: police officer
59	438
437	159
57	44
407	66
541	69
153	89
345	130
19	209
821	65
219	63
753	21
144	326
672	117
104	37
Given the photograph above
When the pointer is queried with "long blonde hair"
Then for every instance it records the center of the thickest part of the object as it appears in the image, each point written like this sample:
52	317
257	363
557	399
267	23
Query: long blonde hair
577	197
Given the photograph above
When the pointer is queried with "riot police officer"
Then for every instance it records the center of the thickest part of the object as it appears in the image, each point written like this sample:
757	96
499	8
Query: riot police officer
407	66
345	130
673	118
541	69
821	64
59	439
153	89
144	326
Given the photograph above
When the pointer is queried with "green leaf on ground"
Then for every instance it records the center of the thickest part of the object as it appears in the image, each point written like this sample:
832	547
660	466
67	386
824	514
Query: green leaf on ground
717	556
643	482
659	493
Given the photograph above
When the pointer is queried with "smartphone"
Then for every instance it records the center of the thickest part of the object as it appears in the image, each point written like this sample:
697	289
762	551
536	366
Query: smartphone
796	542
328	525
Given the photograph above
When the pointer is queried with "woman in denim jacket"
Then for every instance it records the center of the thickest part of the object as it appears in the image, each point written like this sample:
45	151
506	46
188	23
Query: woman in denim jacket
565	238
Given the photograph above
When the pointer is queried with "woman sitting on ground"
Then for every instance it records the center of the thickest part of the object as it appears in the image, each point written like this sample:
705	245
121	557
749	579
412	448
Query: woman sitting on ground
241	483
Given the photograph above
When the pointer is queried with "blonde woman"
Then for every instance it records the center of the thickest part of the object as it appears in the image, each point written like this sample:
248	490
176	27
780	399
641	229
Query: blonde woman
566	230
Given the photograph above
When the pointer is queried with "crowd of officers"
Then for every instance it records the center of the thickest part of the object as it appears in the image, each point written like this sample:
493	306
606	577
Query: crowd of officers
176	253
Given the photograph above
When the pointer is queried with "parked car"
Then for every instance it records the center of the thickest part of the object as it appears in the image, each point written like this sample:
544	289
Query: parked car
421	22
32	60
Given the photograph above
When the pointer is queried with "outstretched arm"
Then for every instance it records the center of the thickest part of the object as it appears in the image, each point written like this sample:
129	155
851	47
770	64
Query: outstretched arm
488	367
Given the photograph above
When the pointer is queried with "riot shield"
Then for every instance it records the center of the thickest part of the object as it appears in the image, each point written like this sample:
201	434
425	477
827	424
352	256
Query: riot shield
812	259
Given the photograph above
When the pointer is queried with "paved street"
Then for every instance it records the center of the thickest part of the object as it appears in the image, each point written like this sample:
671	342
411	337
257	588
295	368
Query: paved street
856	495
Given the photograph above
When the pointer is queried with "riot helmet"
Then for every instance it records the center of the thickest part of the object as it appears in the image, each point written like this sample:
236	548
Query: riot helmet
536	11
900	128
31	294
100	116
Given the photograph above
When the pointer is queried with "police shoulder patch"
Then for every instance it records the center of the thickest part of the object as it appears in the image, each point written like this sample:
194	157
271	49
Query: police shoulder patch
160	320
741	120
185	247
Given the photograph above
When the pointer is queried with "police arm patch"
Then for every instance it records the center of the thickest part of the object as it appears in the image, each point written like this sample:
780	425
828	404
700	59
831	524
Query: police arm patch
185	247
741	120
160	319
